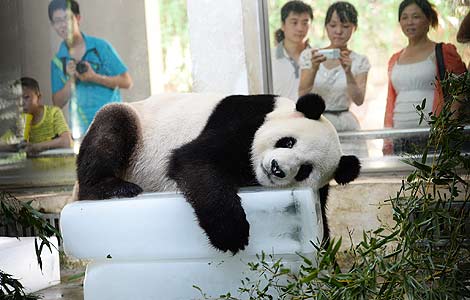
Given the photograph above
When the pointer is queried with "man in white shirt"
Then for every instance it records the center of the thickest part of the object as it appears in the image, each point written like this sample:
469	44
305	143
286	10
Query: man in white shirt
291	38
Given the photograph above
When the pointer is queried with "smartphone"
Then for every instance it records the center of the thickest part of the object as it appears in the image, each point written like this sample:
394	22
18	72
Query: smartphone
330	53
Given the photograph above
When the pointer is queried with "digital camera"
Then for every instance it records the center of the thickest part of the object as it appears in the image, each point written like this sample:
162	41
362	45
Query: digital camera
81	67
330	53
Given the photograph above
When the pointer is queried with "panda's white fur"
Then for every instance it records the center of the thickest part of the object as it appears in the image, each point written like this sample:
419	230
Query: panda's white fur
208	146
317	143
169	121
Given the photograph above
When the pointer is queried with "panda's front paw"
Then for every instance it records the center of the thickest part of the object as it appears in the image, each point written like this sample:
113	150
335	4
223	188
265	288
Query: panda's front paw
227	229
124	190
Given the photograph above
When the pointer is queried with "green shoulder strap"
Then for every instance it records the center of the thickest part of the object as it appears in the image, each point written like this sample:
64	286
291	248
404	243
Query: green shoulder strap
58	62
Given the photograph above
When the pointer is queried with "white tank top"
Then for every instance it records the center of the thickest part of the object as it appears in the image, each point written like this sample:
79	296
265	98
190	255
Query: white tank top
413	82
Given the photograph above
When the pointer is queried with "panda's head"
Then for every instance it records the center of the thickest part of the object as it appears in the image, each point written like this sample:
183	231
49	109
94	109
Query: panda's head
297	146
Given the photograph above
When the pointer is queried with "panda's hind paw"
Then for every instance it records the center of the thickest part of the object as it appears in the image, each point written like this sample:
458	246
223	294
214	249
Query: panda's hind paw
107	188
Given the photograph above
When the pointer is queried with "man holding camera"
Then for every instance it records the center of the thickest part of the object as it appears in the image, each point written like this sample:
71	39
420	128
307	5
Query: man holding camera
86	72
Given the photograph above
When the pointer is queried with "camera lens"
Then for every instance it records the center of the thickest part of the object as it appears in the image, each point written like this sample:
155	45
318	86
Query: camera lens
81	67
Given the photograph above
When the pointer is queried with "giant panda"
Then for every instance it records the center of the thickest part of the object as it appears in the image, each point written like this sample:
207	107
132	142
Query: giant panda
208	146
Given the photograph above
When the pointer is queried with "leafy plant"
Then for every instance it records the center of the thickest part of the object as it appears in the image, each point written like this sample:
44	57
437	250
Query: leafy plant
14	214
12	289
425	254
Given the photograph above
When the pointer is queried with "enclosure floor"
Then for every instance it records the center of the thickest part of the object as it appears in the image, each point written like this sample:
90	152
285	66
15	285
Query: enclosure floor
67	289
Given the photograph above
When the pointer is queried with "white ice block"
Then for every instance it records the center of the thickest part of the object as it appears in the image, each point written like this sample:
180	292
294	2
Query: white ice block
18	258
151	246
172	280
163	226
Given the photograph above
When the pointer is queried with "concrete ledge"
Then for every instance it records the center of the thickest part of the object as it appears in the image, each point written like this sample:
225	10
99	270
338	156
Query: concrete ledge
18	258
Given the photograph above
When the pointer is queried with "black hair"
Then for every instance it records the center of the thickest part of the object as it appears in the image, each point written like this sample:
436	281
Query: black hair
463	35
31	83
428	9
295	6
63	5
346	12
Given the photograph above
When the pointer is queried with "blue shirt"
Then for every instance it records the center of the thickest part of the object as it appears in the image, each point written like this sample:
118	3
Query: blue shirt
88	97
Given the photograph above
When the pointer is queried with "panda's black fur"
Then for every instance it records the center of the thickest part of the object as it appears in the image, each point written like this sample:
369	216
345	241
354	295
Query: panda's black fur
209	169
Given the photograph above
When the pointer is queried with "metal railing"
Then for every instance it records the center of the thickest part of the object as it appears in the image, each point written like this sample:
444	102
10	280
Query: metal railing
37	172
388	133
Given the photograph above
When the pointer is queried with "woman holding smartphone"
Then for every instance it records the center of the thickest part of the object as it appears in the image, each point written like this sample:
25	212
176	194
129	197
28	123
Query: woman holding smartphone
339	80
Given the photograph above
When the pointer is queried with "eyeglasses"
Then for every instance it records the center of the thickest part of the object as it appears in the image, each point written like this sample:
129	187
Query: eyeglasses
60	21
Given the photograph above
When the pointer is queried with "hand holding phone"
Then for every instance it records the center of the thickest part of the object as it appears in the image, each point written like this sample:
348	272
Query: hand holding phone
330	53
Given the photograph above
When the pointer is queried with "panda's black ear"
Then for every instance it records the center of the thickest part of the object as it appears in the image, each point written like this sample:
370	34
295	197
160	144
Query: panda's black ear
311	105
348	169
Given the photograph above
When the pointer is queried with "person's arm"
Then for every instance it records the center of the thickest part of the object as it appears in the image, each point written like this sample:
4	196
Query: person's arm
122	81
356	85
453	64
390	106
307	76
8	148
391	93
64	140
62	96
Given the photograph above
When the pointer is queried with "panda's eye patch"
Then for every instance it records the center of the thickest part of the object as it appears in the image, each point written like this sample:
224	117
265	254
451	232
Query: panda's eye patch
304	172
285	142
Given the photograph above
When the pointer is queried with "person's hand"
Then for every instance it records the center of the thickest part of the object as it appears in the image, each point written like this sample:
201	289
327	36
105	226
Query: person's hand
31	149
345	60
21	145
387	147
71	68
317	59
89	75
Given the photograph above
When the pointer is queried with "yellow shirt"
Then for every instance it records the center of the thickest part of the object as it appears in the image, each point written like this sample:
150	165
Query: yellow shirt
50	126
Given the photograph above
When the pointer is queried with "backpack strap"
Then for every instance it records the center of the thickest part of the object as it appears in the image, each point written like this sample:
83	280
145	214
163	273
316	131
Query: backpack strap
97	54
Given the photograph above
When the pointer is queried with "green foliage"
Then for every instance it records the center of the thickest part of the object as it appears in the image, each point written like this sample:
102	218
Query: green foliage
174	19
11	288
425	254
13	214
175	45
378	32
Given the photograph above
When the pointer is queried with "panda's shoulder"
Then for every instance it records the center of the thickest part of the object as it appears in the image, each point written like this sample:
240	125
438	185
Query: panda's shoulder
245	104
234	110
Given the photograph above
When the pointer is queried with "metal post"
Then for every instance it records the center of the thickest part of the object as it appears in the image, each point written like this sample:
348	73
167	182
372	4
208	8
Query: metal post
266	71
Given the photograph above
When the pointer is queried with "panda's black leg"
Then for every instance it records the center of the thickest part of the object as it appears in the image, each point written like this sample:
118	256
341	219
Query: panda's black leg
326	229
323	201
214	198
105	152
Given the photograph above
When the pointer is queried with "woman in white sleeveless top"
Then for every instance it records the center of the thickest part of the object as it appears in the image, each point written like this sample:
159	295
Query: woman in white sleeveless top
413	82
413	72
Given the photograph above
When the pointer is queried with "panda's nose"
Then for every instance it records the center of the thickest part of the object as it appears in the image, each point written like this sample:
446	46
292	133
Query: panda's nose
276	170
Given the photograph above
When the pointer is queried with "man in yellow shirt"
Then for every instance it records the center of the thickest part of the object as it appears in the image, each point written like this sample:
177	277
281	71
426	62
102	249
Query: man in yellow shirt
48	127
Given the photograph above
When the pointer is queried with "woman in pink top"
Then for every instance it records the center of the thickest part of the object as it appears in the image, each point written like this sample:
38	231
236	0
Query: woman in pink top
413	70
